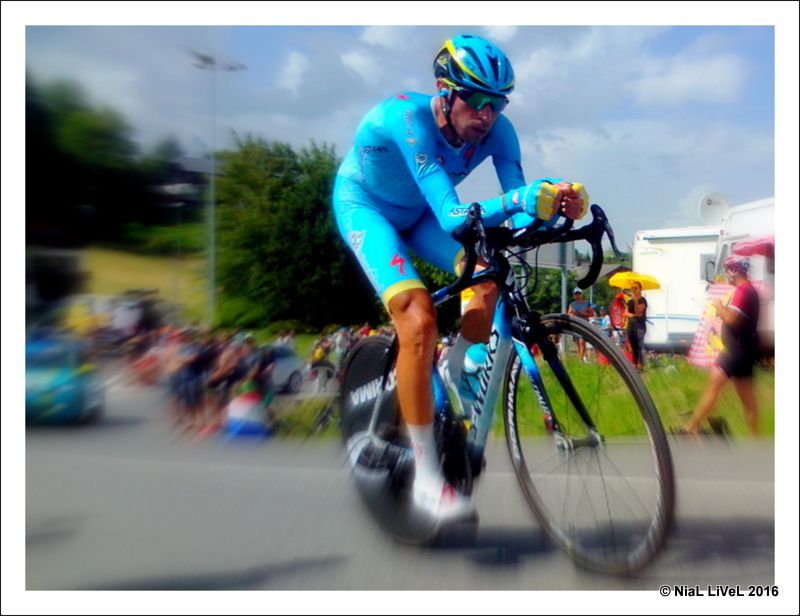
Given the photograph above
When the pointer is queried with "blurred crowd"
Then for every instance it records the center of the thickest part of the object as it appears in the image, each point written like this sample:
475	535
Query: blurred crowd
204	369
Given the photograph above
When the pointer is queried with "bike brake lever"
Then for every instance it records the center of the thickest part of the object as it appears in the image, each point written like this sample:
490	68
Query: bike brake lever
598	212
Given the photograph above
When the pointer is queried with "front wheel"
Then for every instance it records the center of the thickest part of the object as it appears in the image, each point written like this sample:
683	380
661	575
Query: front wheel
600	480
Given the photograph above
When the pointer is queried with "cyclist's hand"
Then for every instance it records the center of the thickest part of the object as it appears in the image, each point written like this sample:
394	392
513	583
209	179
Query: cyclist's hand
545	200
573	198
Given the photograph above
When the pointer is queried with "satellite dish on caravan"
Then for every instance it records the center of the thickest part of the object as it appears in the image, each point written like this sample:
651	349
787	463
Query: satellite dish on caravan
712	209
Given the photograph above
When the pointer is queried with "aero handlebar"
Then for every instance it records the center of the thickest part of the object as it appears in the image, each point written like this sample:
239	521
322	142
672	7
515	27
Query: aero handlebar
479	241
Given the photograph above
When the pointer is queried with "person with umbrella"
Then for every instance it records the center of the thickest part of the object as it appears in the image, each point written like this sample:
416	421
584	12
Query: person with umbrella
636	314
635	310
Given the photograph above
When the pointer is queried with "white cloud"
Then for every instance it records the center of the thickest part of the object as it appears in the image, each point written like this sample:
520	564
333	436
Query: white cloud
292	75
500	34
384	36
684	79
359	62
647	174
536	65
572	109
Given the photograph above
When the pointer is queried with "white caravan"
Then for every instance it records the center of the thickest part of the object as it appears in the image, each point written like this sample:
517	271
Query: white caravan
748	222
677	258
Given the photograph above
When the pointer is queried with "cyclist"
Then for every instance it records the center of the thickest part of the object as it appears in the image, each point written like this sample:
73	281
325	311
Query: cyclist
395	192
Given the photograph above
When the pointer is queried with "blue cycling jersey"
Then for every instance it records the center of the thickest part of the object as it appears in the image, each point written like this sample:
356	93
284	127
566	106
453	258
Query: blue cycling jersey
401	157
395	189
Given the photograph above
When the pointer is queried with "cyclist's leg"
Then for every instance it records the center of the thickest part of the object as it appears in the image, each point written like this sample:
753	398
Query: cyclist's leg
436	246
375	240
382	253
414	319
384	257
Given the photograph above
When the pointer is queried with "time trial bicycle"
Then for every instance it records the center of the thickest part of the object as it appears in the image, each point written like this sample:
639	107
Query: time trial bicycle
585	439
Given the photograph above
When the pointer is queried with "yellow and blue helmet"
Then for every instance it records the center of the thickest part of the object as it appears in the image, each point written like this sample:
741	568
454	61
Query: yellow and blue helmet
473	63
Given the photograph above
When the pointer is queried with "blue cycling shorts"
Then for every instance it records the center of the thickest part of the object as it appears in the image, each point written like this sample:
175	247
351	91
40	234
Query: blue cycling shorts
381	234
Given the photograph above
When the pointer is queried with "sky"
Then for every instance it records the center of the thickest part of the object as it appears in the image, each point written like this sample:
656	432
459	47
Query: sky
648	118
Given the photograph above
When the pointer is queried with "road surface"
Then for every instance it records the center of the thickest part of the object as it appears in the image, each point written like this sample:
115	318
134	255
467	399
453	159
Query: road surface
134	504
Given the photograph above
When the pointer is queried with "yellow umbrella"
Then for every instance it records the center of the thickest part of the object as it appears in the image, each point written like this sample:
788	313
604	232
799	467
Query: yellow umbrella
624	280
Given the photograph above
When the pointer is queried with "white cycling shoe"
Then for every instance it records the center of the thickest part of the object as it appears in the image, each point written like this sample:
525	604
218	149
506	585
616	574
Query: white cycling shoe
442	502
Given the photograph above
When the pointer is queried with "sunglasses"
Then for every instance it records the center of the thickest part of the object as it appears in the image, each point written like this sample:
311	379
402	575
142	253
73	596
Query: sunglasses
478	100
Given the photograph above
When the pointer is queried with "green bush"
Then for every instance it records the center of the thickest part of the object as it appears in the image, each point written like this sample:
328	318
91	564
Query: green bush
297	418
187	238
276	327
239	312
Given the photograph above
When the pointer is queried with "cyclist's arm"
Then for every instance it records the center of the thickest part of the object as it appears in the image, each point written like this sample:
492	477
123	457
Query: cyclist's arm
439	192
418	149
507	157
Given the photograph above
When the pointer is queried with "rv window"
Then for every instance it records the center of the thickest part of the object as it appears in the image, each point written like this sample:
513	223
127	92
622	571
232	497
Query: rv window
704	269
709	274
723	254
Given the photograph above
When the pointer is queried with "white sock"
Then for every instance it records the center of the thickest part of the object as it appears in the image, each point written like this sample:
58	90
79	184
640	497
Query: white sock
426	458
455	359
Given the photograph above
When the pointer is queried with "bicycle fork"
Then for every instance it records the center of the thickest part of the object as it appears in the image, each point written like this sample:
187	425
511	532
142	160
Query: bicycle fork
523	342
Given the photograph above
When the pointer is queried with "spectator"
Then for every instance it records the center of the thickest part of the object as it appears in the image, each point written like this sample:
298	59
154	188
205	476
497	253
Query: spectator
202	366
172	364
319	354
636	314
248	413
260	364
198	355
740	348
582	309
229	369
125	317
341	345
286	339
605	322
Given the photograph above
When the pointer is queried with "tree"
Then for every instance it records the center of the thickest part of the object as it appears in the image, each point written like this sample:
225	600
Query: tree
280	256
155	164
82	177
603	292
544	290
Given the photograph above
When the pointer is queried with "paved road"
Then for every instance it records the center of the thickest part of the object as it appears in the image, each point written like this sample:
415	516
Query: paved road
133	504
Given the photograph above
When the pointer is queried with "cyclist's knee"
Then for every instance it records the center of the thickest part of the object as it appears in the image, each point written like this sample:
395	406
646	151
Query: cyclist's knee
414	317
476	323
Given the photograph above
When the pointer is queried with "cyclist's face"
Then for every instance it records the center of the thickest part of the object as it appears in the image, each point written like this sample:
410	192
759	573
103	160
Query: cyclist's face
472	125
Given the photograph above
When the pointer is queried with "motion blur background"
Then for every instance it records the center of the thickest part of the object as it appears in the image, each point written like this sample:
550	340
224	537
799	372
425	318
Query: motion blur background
176	181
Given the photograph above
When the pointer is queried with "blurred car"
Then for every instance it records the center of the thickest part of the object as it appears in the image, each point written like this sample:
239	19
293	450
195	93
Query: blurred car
287	375
60	385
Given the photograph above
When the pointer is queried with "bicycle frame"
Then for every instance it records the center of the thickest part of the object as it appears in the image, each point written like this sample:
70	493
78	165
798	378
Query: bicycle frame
514	329
384	468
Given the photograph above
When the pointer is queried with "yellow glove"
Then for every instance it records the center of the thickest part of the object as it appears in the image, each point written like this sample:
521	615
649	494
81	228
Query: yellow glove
542	199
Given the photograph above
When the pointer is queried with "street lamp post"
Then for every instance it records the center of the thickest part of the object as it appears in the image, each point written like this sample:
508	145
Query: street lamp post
208	62
178	207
